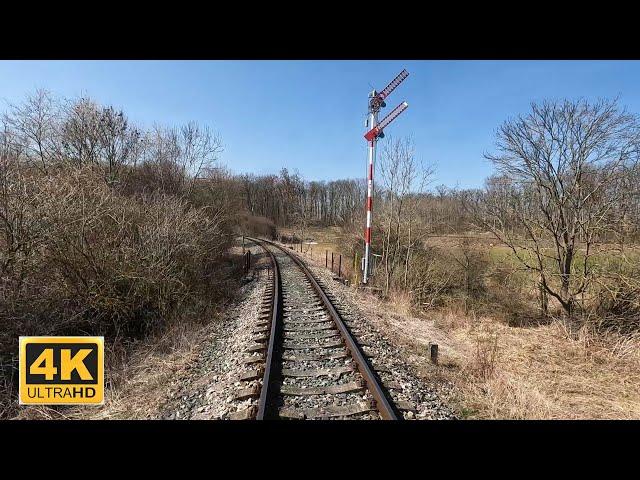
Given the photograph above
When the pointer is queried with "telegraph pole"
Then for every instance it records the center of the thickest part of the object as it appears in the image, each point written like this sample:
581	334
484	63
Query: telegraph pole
376	102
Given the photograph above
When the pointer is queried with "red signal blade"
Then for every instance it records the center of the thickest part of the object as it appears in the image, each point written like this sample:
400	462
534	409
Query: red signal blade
375	131
393	84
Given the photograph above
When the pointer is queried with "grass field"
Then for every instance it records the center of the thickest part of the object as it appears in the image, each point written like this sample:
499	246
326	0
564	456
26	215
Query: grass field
326	238
321	241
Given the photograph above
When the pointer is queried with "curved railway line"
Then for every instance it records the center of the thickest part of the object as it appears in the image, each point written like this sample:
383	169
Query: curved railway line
310	365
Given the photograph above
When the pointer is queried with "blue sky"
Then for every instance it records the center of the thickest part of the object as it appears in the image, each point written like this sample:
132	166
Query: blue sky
309	115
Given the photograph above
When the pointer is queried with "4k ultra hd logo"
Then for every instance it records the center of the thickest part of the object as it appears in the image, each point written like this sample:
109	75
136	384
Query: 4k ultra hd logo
61	370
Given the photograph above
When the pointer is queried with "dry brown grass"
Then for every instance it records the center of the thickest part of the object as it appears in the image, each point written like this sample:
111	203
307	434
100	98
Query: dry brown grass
150	373
401	302
138	382
510	372
545	372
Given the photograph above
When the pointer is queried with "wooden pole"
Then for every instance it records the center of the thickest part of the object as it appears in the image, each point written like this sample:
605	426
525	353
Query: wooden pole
340	266
331	261
326	258
356	268
433	352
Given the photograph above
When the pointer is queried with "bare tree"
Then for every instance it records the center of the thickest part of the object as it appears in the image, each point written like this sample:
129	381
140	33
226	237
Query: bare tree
118	142
561	167
81	132
199	150
36	122
403	180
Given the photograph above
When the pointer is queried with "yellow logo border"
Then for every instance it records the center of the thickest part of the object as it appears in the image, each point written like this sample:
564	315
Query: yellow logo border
99	386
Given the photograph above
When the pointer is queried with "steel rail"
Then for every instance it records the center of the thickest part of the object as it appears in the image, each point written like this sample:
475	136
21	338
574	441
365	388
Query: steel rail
268	392
387	410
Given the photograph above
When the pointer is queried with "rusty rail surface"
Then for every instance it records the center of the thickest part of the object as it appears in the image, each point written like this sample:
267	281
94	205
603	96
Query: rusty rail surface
267	407
268	393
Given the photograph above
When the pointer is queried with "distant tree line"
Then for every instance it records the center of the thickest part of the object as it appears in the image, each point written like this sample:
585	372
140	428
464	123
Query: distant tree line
289	199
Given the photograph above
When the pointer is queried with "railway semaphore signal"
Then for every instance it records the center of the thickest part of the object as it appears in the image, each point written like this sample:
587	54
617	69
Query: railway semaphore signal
376	102
377	130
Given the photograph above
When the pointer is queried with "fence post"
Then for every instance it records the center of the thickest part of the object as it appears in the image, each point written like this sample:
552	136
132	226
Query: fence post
433	352
247	261
331	262
326	258
340	266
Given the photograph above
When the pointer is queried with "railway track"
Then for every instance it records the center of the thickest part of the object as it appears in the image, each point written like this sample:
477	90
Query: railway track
310	365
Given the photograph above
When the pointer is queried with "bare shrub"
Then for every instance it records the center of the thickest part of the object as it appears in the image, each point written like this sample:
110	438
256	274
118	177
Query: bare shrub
485	354
511	295
258	226
617	300
473	266
431	279
447	275
77	257
404	179
292	238
80	132
174	160
104	229
35	124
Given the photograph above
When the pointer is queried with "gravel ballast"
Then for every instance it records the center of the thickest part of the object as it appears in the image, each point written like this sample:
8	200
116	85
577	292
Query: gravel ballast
209	388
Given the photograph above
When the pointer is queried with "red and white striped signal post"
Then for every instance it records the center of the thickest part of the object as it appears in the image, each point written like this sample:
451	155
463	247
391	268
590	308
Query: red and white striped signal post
376	102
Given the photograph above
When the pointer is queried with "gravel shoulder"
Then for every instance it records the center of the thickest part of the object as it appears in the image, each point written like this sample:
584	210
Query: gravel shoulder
208	387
